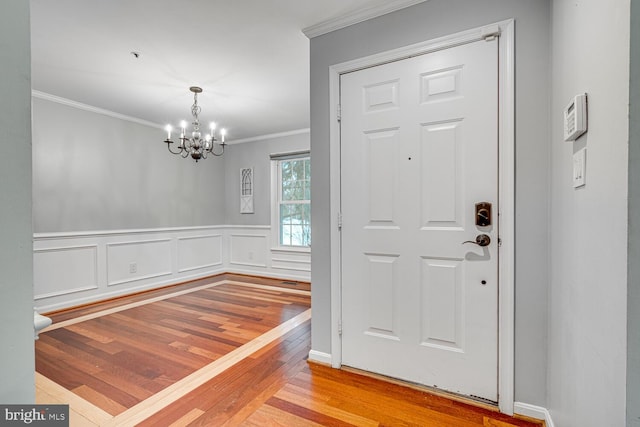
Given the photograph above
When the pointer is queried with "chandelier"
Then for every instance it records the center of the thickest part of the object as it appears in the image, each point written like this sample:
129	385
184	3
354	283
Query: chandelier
196	146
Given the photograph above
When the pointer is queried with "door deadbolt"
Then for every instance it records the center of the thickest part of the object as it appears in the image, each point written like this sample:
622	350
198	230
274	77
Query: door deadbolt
483	214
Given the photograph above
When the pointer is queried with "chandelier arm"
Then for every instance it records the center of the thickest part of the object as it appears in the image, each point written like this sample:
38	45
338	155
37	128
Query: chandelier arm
221	151
169	142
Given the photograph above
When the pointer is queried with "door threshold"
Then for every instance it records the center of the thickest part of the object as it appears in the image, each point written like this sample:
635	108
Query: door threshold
478	402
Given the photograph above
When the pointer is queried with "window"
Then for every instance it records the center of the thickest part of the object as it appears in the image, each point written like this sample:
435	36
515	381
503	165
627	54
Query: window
293	204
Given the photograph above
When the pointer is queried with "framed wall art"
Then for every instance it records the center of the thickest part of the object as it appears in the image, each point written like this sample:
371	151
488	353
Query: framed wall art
246	190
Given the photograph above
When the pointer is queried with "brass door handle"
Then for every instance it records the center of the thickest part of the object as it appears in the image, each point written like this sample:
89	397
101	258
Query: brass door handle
481	240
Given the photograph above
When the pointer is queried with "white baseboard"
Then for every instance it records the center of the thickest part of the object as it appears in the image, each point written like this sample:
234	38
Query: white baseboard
320	357
533	411
262	273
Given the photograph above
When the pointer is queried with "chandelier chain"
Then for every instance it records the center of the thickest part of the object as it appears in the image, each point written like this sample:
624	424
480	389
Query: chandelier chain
195	109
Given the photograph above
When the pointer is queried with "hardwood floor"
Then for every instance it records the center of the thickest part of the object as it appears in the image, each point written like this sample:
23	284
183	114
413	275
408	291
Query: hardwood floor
224	351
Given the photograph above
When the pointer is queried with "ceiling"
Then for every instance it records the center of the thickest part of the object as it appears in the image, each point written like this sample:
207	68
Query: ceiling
250	57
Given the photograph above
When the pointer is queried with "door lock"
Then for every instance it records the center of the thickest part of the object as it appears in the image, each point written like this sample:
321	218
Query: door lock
483	214
481	240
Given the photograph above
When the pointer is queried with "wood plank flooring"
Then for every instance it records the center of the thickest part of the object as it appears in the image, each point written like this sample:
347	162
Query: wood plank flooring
225	351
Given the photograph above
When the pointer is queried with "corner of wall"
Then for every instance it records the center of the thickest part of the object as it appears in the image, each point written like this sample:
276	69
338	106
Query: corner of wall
320	357
16	304
533	411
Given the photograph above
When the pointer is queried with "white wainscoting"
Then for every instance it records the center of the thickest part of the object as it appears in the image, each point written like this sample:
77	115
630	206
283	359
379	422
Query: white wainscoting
252	250
61	270
248	250
291	260
71	269
200	251
129	262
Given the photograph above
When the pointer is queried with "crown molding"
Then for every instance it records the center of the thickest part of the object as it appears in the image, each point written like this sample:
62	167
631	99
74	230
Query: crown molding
357	16
269	136
92	109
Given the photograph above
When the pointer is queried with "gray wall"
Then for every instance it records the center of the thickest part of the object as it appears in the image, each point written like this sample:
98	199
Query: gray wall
588	244
96	172
16	268
422	22
633	292
255	155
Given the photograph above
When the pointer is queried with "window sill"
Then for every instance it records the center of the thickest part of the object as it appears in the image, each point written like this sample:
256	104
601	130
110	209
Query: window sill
298	249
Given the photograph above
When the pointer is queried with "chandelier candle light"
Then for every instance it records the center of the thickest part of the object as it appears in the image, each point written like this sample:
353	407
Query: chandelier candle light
195	146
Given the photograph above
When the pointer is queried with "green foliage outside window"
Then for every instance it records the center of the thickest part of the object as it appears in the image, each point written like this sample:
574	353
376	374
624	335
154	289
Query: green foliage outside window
295	202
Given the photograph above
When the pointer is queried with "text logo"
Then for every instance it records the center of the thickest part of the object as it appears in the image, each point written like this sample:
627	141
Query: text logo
34	415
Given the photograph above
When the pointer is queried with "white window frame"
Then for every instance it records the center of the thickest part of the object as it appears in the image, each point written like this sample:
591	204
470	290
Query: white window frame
276	197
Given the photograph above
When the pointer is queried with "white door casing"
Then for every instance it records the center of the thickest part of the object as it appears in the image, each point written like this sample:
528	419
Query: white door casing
419	147
505	206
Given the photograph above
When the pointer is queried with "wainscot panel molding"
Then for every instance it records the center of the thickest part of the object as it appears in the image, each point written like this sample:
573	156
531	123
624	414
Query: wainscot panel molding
248	249
250	252
138	260
126	261
64	270
76	268
197	252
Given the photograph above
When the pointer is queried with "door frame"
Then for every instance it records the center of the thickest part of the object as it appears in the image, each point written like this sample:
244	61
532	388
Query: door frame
506	191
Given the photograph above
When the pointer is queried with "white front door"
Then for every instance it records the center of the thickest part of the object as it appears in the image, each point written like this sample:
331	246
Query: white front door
419	149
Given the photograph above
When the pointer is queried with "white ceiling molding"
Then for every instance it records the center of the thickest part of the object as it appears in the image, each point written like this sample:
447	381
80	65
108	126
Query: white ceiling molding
270	136
355	17
92	109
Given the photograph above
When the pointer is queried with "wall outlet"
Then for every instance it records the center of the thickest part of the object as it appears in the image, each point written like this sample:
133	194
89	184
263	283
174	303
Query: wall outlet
251	255
133	267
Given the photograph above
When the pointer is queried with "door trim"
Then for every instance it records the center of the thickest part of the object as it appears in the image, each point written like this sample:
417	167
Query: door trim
506	191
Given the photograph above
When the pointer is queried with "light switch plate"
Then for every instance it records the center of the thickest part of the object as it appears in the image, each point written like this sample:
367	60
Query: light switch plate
579	168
